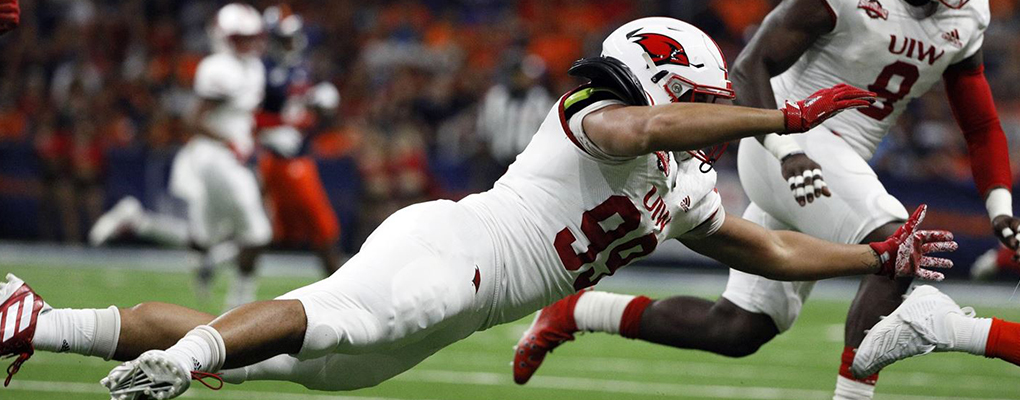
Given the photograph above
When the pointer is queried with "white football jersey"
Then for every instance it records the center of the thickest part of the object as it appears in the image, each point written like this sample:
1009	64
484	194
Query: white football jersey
240	83
566	214
885	47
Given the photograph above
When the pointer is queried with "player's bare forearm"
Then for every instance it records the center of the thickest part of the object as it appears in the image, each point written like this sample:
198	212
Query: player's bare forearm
783	255
634	131
974	109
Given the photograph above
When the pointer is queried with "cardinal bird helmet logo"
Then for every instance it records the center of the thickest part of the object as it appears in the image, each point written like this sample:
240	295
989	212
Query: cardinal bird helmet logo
663	49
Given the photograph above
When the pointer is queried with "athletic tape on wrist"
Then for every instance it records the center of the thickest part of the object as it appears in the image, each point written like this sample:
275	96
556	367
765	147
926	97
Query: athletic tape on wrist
999	202
780	146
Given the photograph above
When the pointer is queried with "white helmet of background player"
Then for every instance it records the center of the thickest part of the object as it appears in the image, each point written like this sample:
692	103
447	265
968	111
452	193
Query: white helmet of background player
659	60
236	21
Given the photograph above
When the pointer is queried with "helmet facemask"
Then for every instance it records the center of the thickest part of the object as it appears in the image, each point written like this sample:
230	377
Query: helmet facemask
680	89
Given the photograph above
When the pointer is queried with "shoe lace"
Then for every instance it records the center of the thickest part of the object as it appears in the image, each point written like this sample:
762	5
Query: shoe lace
201	376
15	367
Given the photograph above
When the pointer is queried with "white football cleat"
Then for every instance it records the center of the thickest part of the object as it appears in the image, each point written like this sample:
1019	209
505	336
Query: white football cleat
916	327
20	307
121	218
984	267
153	375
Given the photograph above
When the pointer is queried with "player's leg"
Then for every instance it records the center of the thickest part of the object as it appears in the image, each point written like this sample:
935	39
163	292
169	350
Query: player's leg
927	321
751	312
386	300
128	216
325	232
30	324
877	296
1000	258
234	192
308	205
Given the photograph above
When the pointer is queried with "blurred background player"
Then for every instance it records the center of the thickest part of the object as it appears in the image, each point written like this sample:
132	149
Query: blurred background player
512	109
295	198
989	263
891	49
211	171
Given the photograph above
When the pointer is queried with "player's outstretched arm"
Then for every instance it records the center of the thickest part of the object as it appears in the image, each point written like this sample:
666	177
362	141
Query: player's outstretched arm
970	98
785	34
631	131
793	256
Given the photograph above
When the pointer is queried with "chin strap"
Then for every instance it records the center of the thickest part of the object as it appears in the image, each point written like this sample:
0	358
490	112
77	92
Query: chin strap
708	159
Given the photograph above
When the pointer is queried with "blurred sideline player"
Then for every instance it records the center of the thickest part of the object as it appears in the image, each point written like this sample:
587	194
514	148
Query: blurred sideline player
604	181
1000	258
10	15
897	49
297	202
210	172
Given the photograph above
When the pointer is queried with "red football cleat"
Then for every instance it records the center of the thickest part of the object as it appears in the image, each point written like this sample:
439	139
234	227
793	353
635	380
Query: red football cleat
19	311
552	326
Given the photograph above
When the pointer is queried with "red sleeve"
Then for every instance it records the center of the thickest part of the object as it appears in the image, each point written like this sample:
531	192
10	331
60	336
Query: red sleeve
971	101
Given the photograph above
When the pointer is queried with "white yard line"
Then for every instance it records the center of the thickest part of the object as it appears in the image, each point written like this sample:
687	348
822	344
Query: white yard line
641	388
493	379
608	366
200	393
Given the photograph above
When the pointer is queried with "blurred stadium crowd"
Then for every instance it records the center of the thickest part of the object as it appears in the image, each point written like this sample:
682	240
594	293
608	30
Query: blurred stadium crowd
437	98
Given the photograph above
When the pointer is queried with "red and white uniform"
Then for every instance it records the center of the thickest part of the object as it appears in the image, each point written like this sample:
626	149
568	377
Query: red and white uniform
886	48
223	196
564	216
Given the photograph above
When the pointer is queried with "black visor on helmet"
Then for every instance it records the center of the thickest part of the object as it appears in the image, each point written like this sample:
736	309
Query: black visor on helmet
613	74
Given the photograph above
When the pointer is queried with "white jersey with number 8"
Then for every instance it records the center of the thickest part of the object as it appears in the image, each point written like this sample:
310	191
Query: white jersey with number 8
888	49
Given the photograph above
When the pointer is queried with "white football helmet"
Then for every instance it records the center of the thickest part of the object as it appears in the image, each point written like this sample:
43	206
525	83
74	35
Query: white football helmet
660	60
234	19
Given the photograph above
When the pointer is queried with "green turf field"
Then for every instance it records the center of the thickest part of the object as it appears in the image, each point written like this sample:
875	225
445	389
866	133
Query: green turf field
800	364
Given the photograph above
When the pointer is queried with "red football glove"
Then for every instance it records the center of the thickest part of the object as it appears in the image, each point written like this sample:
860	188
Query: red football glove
10	15
903	253
822	105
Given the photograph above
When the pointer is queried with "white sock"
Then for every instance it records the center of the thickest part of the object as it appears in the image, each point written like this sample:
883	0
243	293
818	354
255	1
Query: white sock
969	334
601	311
90	332
242	290
163	229
849	389
201	349
222	253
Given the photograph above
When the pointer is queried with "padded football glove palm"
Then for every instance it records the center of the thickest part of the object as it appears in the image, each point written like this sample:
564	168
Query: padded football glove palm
822	105
904	253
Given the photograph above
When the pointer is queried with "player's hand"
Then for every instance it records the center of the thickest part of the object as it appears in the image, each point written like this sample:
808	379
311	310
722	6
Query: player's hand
805	178
10	15
1007	229
824	104
904	253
